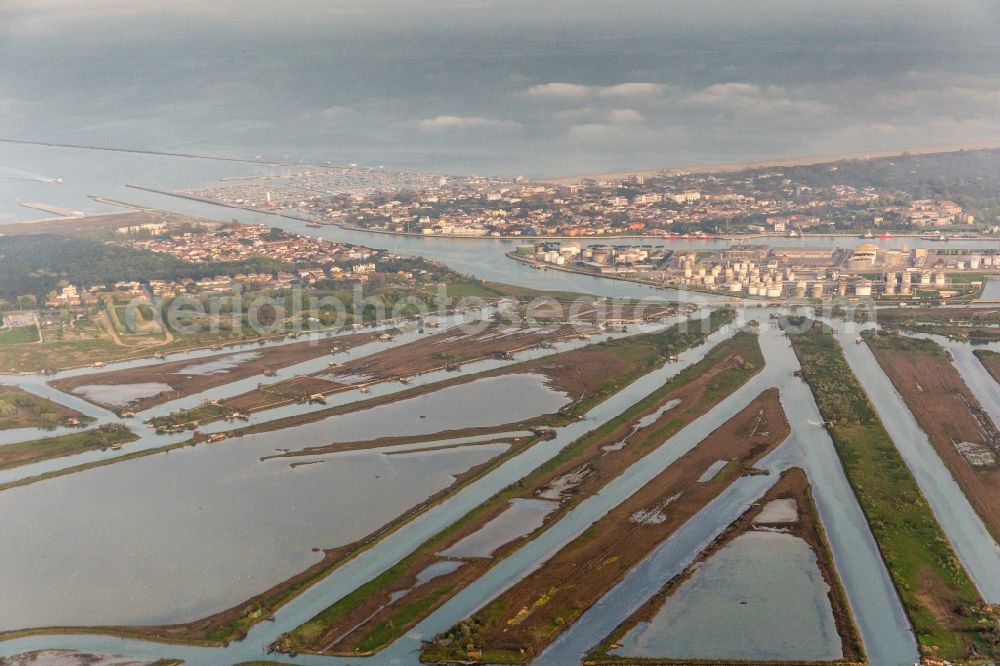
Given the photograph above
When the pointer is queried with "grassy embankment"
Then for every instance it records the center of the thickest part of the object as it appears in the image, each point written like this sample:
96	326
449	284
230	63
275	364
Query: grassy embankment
19	335
990	361
948	615
25	453
585	450
976	325
21	409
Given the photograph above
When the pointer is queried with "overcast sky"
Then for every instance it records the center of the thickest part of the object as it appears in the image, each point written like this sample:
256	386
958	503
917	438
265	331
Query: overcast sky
502	87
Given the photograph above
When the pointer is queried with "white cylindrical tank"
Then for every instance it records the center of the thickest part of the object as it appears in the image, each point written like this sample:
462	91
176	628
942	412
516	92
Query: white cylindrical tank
817	290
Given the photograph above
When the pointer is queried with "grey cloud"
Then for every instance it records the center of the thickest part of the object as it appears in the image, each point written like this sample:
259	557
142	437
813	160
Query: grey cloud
446	122
575	91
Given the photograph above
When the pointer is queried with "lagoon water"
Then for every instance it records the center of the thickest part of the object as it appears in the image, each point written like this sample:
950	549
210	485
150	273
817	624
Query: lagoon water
712	471
490	401
761	597
120	395
218	366
179	535
522	516
176	536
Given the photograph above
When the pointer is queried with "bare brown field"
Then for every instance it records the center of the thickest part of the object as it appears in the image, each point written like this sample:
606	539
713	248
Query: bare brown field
944	407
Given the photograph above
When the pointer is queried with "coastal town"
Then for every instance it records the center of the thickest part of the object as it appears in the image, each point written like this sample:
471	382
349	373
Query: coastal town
313	259
789	201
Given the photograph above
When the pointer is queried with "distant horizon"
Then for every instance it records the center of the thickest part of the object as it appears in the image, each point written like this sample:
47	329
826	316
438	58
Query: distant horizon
507	89
647	171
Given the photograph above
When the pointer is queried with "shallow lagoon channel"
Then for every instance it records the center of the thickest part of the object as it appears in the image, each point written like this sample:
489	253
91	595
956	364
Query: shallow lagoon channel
760	597
218	366
521	517
175	536
121	395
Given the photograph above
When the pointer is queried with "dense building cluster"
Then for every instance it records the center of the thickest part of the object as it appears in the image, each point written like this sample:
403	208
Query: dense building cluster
761	201
238	242
778	272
